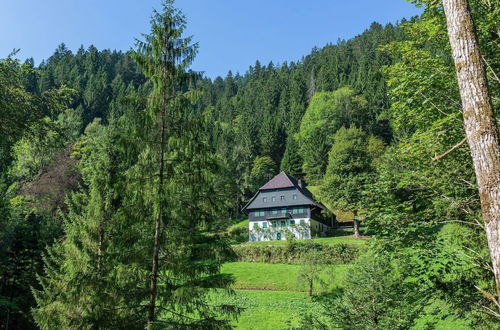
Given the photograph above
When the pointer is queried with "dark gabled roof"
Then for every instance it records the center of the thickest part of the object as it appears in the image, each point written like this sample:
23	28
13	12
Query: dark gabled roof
285	182
280	181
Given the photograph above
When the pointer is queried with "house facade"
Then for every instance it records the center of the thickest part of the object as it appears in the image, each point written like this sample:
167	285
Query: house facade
284	207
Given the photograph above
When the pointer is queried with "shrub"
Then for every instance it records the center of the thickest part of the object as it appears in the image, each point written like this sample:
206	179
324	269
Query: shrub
238	233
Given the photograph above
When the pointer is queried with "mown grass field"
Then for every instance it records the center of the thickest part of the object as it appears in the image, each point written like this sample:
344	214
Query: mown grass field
268	310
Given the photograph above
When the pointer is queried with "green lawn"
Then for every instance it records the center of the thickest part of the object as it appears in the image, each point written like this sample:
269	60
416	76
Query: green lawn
251	275
266	310
322	240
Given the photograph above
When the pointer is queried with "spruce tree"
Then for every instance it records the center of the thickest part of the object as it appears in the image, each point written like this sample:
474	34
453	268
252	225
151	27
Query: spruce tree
177	178
90	279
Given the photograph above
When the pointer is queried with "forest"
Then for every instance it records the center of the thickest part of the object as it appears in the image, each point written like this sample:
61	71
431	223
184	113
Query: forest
123	176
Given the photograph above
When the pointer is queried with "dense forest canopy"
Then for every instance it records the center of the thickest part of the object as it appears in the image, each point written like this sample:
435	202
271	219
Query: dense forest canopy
121	172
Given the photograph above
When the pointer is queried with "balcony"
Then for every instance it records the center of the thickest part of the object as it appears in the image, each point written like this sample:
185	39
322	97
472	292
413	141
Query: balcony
279	216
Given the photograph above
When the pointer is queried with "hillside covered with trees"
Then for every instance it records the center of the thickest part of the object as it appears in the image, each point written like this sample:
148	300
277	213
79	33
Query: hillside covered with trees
120	174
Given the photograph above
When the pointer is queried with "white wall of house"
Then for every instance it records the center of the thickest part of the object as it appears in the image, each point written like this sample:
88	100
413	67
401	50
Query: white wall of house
271	230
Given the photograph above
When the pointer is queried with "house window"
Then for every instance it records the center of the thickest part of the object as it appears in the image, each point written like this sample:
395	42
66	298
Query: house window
259	213
264	199
278	236
273	198
292	222
282	197
282	211
275	211
302	222
264	225
275	224
294	196
298	210
282	223
256	225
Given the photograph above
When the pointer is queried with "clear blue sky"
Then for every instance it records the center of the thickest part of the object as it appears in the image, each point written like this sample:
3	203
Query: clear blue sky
232	34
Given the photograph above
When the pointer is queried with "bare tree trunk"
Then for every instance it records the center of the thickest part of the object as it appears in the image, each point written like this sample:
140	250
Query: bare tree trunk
355	224
479	122
156	244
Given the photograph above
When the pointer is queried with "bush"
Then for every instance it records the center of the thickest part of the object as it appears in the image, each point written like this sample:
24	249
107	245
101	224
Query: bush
291	253
238	233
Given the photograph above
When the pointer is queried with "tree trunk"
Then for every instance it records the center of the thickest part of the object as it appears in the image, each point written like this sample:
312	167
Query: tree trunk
156	244
310	288
479	122
355	225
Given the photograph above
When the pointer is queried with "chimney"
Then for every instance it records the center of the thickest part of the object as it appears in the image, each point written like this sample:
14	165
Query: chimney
300	183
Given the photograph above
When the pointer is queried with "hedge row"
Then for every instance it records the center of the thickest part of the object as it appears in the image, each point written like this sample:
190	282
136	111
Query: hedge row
334	254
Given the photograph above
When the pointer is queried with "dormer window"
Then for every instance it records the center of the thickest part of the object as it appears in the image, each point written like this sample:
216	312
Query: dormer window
282	197
294	196
273	198
264	199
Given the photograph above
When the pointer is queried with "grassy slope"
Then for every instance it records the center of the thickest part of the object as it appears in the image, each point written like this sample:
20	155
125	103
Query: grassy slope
267	309
250	275
241	224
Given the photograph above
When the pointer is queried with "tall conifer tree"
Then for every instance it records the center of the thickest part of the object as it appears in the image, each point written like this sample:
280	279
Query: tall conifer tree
180	185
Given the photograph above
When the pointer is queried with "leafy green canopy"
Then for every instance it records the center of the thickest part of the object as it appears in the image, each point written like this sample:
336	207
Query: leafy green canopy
350	169
327	112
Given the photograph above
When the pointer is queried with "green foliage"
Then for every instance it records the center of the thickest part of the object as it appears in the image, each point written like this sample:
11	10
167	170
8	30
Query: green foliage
35	151
238	233
327	112
258	114
413	196
374	297
291	163
220	146
263	170
311	270
349	167
175	185
92	276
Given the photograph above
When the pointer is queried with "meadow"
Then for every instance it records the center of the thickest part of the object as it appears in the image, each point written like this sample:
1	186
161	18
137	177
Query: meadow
273	298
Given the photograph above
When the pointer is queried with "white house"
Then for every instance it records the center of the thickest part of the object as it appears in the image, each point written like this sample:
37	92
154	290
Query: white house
284	207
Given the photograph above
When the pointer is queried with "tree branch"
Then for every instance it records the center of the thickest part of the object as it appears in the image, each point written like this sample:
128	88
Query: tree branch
456	146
